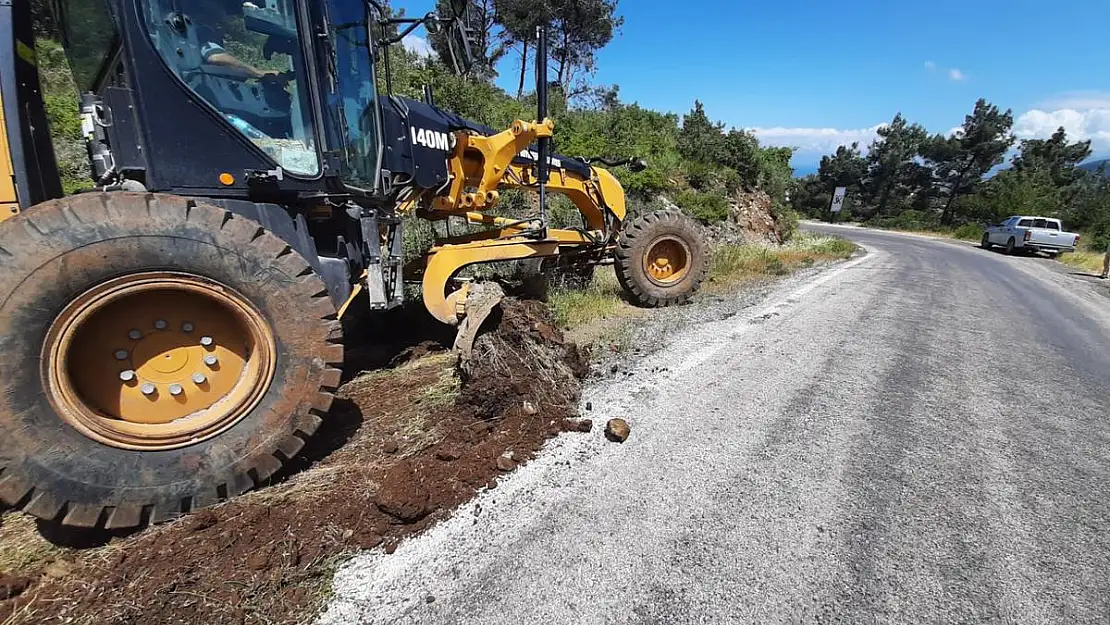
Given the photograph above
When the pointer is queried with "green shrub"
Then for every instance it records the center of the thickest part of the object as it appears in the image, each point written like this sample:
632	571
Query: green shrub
708	208
700	176
788	223
968	232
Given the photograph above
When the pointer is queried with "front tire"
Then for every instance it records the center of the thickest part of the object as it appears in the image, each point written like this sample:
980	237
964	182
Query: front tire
161	355
986	242
662	259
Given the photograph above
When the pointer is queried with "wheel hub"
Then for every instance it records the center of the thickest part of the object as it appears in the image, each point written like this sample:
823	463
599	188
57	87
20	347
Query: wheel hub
666	260
157	360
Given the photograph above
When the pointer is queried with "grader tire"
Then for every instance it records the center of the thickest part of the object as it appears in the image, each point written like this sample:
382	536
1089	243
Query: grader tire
662	259
104	297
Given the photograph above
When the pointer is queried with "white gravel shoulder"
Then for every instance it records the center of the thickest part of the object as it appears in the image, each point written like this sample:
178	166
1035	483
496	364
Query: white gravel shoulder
429	577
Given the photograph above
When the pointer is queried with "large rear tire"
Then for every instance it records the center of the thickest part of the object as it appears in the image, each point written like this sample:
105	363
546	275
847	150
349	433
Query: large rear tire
160	355
662	259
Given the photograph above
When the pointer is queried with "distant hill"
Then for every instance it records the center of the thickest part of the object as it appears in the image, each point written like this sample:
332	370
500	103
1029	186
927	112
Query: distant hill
1094	165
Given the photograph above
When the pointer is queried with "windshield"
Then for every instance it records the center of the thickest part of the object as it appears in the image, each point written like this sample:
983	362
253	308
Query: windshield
353	101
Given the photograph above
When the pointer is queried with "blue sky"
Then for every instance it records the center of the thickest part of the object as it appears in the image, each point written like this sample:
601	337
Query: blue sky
815	74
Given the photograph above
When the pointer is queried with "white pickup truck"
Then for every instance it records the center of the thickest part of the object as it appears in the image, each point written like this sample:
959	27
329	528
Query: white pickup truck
1038	234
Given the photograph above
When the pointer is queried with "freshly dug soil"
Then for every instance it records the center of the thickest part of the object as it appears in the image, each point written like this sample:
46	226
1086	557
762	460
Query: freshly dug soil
411	445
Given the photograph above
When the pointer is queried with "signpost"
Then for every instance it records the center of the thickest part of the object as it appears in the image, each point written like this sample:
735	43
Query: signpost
838	199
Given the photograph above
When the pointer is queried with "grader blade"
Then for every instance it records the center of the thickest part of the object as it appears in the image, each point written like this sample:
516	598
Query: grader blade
480	300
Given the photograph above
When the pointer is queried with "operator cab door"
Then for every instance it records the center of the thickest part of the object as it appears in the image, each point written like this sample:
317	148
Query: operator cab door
202	89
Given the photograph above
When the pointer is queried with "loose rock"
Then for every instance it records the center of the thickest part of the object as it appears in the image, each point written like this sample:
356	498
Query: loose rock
369	540
617	430
402	496
529	408
506	461
448	454
389	447
585	425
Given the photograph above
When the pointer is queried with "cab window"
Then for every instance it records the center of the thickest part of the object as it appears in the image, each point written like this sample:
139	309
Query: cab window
90	38
242	58
1025	223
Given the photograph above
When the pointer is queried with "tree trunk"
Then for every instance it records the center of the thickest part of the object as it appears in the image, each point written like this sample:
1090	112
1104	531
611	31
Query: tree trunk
563	57
885	196
523	69
946	216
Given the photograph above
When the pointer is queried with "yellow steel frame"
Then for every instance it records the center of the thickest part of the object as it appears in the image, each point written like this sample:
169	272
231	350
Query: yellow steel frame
485	164
479	168
9	201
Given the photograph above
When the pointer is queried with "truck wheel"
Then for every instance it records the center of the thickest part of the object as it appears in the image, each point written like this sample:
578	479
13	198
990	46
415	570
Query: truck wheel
986	242
662	259
160	355
1010	246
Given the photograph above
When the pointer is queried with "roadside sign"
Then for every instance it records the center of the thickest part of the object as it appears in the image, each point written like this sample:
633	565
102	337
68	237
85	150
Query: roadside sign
838	199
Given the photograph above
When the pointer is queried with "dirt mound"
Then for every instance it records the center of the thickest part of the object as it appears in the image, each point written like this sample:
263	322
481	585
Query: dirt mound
527	359
417	445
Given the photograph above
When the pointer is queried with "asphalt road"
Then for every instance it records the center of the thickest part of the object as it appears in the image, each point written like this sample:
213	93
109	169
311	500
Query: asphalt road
915	436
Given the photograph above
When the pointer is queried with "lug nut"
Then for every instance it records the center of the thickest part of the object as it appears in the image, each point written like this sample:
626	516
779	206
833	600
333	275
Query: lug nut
135	335
127	376
198	378
160	324
206	341
175	389
186	327
211	360
121	354
148	389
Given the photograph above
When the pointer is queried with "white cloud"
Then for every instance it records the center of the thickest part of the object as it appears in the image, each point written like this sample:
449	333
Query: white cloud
930	65
1091	123
815	140
956	74
418	46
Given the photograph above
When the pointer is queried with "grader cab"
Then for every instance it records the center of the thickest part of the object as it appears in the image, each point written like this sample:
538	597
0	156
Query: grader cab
173	336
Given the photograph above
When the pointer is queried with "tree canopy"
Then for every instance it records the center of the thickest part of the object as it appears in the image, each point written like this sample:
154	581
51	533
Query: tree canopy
908	178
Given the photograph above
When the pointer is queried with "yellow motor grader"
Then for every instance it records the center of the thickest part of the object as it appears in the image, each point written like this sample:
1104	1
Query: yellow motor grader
171	337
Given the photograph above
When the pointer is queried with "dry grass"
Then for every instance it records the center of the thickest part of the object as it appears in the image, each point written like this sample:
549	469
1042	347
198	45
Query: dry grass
23	551
601	300
596	314
1087	261
733	265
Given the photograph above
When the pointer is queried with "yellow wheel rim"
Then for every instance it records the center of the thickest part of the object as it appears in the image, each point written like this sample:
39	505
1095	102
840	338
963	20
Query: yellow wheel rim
667	260
157	360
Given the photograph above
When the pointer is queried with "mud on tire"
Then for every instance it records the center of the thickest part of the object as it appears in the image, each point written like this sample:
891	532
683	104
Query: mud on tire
662	259
58	250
